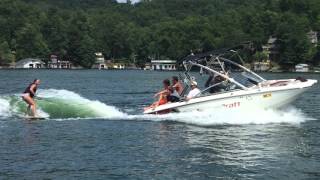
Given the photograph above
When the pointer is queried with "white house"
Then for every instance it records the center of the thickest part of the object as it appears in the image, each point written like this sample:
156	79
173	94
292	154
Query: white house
30	63
147	66
302	68
313	36
118	66
100	61
165	65
272	48
262	66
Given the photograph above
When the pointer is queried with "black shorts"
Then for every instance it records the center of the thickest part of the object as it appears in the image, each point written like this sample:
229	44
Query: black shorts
173	99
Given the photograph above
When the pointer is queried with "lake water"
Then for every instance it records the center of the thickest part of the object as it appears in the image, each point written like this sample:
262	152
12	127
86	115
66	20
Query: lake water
95	130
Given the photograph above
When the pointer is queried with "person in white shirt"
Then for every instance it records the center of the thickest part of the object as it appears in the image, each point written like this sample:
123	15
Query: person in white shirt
195	91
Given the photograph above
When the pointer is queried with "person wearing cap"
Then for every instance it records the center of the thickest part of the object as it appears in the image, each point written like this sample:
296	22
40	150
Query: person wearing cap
195	91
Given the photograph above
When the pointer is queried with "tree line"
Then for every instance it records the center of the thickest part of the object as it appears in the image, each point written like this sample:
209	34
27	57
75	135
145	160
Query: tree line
76	29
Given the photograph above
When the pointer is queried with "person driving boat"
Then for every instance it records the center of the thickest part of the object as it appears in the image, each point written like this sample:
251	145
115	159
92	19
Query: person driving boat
217	83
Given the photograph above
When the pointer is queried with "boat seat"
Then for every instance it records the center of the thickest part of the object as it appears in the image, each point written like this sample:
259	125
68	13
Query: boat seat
279	83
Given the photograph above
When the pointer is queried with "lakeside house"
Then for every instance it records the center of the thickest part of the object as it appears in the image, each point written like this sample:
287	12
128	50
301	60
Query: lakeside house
262	66
55	63
147	66
30	63
313	37
272	48
117	66
110	64
164	65
302	68
100	62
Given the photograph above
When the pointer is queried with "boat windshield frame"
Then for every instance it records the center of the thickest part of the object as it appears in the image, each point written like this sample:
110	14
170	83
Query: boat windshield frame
242	67
190	63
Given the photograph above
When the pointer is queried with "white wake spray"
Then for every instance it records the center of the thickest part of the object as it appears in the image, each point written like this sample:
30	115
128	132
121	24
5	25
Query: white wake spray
68	105
4	108
96	108
232	117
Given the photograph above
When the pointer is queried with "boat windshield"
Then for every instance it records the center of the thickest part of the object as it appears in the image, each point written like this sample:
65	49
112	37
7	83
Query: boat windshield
245	78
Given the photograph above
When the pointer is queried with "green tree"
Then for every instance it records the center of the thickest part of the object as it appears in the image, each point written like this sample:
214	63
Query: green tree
6	55
81	47
30	42
75	29
260	56
294	43
54	30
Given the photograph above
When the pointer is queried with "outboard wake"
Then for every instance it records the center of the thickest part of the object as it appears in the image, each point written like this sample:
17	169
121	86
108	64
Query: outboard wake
291	115
64	105
58	104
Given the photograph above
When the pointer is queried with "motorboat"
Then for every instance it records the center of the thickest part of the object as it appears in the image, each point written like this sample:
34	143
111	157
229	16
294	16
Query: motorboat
240	88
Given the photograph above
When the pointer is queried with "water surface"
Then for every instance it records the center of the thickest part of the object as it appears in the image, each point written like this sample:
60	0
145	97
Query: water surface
95	130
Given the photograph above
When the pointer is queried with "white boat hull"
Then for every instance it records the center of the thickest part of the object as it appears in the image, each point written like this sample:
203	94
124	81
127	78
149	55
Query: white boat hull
262	100
267	97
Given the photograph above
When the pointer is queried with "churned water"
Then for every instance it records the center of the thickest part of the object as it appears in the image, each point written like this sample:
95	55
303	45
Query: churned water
95	129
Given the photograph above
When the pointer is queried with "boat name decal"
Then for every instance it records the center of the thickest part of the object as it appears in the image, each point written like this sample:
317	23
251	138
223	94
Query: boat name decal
267	95
232	105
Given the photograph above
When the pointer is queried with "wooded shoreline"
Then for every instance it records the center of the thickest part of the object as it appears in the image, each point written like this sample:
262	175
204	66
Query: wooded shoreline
159	29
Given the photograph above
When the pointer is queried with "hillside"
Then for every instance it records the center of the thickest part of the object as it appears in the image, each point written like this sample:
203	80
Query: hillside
75	29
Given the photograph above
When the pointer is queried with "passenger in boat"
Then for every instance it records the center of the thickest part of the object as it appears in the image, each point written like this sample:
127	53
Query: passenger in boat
195	91
176	90
163	95
29	94
215	80
177	85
